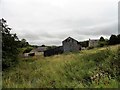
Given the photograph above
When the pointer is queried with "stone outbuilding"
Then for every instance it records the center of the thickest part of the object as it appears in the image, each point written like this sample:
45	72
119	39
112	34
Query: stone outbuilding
70	45
93	43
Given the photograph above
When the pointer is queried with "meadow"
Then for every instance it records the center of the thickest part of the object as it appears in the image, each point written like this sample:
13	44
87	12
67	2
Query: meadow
94	68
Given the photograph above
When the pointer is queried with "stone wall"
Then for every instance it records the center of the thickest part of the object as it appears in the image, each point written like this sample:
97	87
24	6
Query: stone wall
70	45
93	43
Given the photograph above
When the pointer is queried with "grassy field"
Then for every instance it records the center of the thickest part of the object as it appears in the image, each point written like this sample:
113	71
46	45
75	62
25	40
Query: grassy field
68	70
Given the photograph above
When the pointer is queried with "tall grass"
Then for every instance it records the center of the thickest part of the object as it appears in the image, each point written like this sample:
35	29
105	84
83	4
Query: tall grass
73	70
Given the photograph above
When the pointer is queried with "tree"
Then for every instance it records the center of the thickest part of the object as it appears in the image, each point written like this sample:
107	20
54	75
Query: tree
113	40
9	45
118	39
102	39
24	43
84	43
101	42
43	45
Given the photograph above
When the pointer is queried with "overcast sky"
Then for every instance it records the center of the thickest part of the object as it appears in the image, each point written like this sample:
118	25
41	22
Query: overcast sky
49	22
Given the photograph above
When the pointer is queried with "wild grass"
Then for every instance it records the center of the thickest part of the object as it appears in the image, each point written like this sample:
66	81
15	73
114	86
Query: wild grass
69	70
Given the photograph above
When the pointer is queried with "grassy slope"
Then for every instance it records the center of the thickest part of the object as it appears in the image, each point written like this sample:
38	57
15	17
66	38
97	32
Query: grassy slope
66	70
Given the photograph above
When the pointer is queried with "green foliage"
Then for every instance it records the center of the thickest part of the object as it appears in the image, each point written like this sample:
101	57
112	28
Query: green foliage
90	47
43	45
113	40
24	43
9	46
118	36
102	39
84	43
27	50
102	42
115	64
34	46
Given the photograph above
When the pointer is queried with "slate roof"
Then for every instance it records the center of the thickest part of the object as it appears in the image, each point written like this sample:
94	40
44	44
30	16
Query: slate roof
69	38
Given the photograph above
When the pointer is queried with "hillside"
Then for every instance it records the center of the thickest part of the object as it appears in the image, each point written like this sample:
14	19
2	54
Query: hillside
95	68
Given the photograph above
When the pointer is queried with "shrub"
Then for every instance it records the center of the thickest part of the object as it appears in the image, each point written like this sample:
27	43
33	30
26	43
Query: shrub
90	48
27	50
112	64
102	43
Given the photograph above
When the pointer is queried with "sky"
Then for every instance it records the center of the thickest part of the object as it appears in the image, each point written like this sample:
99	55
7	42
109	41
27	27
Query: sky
49	22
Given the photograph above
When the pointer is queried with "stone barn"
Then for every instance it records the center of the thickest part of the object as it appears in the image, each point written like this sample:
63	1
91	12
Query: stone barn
70	45
93	43
38	51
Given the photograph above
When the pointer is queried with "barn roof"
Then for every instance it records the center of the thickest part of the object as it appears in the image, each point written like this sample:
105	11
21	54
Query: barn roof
41	49
69	38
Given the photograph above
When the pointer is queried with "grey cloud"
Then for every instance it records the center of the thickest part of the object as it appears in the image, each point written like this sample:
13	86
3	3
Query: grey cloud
46	41
106	29
100	29
51	21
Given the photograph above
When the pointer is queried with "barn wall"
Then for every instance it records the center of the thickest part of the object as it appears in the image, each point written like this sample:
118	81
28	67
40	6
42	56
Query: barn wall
68	45
54	51
71	45
93	43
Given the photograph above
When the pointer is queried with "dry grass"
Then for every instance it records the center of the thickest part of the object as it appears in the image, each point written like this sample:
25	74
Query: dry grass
66	70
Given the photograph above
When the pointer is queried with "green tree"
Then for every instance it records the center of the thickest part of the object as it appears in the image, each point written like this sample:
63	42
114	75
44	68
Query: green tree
24	43
102	39
113	40
118	39
43	45
102	42
84	43
9	46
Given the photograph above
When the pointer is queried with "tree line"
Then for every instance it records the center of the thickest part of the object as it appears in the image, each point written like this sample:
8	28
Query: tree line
113	40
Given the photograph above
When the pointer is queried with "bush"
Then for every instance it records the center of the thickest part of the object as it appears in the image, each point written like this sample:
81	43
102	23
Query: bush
102	43
27	50
112	64
90	48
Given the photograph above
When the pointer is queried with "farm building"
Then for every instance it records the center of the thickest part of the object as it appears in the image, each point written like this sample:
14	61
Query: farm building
68	45
71	44
28	54
25	54
35	51
53	51
93	43
41	49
